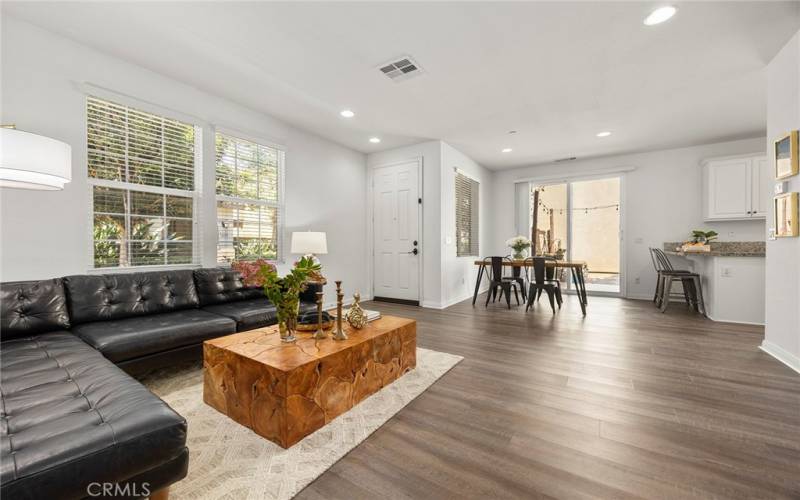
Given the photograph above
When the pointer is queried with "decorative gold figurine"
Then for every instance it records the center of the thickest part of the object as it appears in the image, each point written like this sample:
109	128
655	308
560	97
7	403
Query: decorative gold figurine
320	333
355	316
338	332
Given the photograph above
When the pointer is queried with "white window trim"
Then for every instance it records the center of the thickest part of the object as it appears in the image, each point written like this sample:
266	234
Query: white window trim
91	90
280	205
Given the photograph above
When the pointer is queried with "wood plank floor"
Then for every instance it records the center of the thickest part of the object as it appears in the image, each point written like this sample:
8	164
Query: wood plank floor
624	403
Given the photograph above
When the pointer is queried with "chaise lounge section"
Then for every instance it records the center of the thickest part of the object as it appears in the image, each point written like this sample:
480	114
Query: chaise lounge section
69	415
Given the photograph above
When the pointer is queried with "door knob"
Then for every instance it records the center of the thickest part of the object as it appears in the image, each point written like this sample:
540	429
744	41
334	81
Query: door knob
415	251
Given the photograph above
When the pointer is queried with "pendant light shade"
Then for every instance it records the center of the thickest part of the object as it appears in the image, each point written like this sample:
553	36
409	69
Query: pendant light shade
31	161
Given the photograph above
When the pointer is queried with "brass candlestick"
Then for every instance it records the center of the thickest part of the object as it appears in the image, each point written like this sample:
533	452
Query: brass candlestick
320	333
338	332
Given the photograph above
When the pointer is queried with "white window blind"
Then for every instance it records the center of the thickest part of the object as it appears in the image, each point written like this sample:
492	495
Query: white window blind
249	204
467	235
142	179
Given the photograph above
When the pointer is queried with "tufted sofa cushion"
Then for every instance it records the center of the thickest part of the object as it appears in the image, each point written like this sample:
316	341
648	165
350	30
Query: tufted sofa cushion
31	307
117	296
219	286
130	338
69	416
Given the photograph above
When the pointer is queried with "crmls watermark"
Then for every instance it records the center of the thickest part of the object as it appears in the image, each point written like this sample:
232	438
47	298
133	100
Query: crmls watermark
118	490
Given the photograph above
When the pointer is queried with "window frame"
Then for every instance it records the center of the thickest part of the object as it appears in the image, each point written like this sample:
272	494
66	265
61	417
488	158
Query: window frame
91	92
280	205
474	224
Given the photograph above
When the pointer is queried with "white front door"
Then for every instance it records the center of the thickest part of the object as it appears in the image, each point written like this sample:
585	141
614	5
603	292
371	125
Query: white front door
397	252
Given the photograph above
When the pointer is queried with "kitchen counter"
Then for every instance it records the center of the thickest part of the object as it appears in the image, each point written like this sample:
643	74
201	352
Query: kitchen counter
722	249
732	277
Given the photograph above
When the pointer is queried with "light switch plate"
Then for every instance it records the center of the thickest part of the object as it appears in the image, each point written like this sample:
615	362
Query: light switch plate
781	187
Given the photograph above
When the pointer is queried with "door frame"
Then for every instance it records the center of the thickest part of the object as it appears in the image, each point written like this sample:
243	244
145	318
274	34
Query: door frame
371	222
623	223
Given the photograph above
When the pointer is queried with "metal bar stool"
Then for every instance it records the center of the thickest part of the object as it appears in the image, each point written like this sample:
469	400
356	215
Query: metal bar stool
691	283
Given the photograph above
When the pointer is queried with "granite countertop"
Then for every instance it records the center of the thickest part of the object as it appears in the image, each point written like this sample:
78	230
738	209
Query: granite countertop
723	249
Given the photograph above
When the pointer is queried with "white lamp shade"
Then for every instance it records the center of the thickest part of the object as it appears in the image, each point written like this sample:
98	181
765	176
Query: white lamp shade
305	242
31	161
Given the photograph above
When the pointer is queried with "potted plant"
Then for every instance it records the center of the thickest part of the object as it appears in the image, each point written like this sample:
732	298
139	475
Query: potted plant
703	237
519	244
283	292
700	241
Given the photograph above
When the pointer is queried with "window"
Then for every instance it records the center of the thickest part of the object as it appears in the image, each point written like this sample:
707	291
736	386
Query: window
467	234
249	213
142	177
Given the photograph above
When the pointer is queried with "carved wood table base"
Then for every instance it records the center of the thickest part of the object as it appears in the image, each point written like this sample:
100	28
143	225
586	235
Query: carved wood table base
285	392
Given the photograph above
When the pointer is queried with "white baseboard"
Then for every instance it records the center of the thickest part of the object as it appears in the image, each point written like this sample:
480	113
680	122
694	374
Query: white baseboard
723	320
446	304
781	355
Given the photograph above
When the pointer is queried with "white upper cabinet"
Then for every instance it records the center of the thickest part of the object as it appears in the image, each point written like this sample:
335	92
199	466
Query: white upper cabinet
762	187
736	188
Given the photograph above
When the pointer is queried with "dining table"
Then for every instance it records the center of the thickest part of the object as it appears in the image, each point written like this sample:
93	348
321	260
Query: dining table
576	268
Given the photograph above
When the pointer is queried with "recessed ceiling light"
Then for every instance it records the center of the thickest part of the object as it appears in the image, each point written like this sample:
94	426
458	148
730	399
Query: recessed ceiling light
660	15
347	113
374	140
603	134
507	150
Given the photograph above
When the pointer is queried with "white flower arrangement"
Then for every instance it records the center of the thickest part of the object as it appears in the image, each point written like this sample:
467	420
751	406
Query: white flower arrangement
518	243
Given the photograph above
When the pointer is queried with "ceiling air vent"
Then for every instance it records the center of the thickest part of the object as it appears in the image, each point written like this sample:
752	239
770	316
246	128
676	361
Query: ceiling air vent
569	158
401	69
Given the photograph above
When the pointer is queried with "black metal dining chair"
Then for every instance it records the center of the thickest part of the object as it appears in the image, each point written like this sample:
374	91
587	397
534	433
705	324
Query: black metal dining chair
516	276
542	282
496	281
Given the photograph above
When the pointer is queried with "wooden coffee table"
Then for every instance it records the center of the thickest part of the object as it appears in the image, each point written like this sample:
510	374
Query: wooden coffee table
284	392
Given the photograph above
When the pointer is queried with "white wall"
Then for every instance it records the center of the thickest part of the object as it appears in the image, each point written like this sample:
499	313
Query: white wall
46	234
459	273
663	197
782	336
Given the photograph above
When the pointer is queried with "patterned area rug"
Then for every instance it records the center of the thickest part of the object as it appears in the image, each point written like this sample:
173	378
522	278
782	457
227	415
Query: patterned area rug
228	460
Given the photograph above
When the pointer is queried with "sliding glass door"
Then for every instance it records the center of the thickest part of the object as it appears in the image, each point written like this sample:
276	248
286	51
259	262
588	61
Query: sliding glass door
580	220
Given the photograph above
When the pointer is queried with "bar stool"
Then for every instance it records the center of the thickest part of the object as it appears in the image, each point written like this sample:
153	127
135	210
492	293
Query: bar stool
691	283
662	264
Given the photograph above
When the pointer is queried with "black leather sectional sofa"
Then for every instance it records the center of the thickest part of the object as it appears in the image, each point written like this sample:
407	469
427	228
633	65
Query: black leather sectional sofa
72	420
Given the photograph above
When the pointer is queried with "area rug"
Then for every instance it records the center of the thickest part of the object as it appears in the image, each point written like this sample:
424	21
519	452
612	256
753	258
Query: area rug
228	460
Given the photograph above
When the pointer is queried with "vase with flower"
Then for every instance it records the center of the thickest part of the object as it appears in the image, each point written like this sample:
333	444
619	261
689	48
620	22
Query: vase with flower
519	244
283	292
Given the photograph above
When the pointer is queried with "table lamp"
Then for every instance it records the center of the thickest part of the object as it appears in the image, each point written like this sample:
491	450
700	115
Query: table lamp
310	244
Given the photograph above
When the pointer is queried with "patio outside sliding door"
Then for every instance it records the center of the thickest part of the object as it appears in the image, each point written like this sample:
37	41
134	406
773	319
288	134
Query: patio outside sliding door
580	220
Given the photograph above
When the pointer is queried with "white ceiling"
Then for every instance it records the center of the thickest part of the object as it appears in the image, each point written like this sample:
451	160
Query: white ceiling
558	73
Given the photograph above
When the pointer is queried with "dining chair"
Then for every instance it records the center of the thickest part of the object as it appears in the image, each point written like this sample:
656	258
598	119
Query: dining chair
542	282
549	275
516	276
495	267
